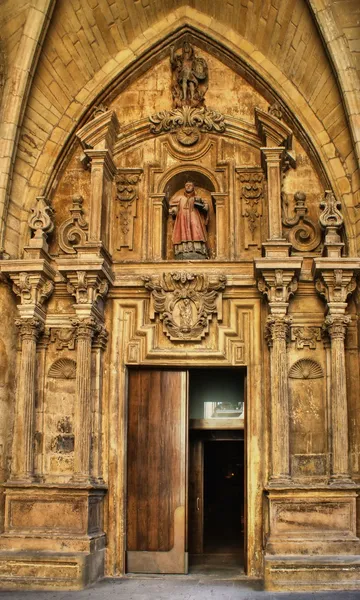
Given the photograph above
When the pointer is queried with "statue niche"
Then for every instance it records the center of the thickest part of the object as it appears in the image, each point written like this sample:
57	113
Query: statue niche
191	224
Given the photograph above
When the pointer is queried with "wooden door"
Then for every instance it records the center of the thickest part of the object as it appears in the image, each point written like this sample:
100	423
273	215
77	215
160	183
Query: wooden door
196	496
245	509
157	474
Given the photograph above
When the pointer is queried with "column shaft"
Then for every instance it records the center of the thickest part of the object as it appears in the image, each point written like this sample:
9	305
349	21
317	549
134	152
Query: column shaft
339	412
83	407
23	439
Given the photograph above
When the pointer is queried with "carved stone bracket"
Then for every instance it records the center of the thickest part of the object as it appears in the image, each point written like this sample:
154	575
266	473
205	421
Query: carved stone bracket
88	288
32	289
304	235
187	123
127	181
278	285
73	231
252	197
186	303
335	285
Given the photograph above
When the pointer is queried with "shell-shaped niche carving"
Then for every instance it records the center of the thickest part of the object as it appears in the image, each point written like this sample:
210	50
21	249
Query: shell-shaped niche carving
63	368
306	369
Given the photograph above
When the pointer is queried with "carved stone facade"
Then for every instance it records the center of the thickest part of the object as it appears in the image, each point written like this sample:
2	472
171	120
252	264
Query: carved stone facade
96	291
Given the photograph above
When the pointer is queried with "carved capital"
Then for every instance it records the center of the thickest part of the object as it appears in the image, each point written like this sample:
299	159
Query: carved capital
186	303
278	285
101	337
29	329
87	287
85	328
277	328
32	288
335	285
336	325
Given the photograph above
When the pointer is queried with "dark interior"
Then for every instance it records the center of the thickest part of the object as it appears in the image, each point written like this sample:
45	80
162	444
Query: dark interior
223	496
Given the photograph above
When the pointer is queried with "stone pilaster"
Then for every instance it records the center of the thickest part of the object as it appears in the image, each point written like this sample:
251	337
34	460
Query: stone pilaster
98	137
336	327
98	348
278	282
277	333
273	158
335	281
277	140
22	468
85	330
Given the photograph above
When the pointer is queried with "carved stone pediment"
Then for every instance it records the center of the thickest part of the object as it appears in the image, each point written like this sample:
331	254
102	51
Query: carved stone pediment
185	303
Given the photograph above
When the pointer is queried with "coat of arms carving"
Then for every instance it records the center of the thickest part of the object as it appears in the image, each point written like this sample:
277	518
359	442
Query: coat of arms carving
185	303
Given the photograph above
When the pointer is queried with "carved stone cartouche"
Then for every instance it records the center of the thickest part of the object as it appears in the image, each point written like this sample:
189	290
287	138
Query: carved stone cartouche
185	302
187	123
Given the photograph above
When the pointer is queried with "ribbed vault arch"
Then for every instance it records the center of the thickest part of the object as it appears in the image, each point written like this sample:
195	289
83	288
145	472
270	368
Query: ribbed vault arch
264	67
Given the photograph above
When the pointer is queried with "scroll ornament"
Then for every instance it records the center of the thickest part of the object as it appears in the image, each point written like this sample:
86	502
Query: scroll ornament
303	234
187	123
73	231
186	303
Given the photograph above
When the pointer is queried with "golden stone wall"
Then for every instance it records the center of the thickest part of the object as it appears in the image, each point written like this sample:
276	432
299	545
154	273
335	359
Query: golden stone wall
87	264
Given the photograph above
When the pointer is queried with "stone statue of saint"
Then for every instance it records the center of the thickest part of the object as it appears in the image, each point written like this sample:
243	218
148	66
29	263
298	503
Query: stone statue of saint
191	214
189	77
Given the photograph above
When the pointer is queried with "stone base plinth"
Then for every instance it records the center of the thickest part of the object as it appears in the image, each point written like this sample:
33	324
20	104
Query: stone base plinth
311	573
53	537
50	570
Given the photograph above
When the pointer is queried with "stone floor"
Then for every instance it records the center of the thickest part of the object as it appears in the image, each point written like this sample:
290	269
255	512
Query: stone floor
192	587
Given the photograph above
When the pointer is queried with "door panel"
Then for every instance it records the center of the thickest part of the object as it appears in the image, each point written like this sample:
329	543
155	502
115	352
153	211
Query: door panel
196	496
156	487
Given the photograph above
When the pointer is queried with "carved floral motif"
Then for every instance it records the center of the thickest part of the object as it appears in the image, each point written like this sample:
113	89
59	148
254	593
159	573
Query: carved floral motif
127	195
185	302
187	123
304	235
73	231
252	194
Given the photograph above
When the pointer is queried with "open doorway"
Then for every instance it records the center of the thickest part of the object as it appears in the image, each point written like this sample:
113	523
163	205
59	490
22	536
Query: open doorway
217	477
